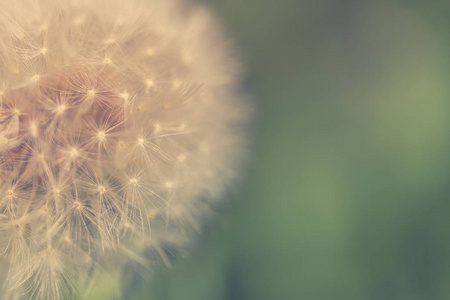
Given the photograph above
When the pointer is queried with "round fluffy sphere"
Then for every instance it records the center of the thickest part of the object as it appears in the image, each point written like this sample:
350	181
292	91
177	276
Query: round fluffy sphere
119	125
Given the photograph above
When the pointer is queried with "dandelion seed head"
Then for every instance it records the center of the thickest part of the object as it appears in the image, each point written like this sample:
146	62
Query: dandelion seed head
120	126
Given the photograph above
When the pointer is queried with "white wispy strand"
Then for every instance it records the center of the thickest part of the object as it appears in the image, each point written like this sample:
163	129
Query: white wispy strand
119	126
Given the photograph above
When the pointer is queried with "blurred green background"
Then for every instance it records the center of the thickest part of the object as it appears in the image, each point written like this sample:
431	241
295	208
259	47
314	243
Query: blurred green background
346	195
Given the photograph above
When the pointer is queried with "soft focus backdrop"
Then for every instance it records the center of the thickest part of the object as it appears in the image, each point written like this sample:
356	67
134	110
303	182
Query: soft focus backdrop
346	194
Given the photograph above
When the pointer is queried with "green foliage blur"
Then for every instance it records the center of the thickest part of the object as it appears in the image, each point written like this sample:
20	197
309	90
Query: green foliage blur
346	193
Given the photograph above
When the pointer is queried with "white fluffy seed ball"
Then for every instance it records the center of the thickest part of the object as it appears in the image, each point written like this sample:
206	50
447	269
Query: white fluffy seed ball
120	123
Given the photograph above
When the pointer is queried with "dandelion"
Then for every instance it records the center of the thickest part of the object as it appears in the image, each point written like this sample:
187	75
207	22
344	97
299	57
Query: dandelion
119	127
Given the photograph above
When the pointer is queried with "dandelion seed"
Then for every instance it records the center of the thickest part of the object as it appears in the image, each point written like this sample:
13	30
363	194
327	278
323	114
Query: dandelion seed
74	152
125	96
101	135
121	144
149	84
177	83
169	184
181	157
3	141
78	21
101	189
60	109
120	21
157	127
150	51
91	93
77	204
110	41
34	129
